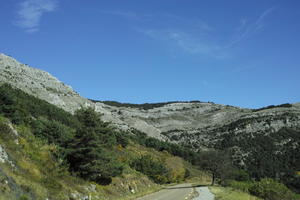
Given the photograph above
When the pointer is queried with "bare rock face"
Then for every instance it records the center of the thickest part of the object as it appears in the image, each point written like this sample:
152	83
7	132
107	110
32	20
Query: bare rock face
39	83
196	123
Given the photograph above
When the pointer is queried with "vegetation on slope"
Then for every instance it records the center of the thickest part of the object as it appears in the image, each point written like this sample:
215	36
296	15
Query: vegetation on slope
266	188
177	150
37	173
221	167
59	155
144	106
285	105
274	155
222	193
89	151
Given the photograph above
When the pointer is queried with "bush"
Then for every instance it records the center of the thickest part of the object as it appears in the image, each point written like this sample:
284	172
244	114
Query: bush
174	149
240	175
239	185
187	174
152	168
270	189
23	197
122	139
285	105
176	169
4	130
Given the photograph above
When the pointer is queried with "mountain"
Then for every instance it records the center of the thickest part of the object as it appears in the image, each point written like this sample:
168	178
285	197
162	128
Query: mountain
198	124
48	153
263	142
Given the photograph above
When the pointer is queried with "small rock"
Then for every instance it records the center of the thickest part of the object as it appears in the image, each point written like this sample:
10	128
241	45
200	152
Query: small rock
3	155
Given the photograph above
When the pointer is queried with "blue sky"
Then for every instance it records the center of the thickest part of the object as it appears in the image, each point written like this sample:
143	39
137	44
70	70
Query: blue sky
243	53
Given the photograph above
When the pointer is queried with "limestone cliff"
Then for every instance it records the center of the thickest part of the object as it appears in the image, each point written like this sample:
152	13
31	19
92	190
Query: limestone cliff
198	124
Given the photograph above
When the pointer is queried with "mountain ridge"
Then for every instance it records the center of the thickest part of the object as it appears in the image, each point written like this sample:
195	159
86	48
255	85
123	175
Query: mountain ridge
193	123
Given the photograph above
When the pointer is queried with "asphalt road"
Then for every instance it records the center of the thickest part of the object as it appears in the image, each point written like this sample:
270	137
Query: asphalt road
204	194
177	192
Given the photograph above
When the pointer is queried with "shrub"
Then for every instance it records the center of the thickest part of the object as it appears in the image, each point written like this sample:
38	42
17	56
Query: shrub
270	189
174	149
152	168
23	197
4	130
176	169
240	175
239	185
122	139
187	174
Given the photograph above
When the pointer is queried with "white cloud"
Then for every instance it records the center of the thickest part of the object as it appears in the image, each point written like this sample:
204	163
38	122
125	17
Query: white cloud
193	35
30	12
247	29
186	41
163	18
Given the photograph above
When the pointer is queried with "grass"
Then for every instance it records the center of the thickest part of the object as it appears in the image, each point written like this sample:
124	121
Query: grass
222	193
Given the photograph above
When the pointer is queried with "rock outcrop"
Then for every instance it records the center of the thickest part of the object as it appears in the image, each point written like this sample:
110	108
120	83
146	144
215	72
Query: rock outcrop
198	124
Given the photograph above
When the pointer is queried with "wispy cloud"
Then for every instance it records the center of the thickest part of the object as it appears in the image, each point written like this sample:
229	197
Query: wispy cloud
193	23
194	36
163	18
186	42
30	12
247	29
202	42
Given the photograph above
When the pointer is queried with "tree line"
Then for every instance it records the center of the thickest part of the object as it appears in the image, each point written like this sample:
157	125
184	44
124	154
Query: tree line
86	143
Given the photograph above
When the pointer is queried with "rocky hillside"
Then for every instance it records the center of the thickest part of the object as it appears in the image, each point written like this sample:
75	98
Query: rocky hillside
47	153
198	124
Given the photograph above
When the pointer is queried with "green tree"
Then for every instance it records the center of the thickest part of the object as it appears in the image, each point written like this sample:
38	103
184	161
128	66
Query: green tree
216	162
52	130
154	169
88	152
240	175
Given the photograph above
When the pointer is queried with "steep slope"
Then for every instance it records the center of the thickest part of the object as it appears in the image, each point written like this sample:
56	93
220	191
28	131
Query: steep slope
196	123
265	142
30	170
37	140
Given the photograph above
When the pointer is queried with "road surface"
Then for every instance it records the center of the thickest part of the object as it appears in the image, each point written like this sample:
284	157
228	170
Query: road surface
177	192
204	194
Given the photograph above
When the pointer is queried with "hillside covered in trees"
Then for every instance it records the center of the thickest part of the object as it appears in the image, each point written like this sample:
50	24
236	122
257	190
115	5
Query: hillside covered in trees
50	153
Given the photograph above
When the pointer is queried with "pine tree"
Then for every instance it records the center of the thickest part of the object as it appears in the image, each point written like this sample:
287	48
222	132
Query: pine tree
88	153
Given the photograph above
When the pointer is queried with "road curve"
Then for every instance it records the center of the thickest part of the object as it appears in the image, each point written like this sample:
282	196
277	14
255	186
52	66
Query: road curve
204	194
176	192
